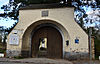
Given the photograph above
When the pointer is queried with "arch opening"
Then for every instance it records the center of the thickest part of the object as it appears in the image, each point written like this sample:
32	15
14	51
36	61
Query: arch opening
27	36
46	42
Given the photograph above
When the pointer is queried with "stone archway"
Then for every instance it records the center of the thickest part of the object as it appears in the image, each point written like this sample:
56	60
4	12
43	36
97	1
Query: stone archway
27	36
47	42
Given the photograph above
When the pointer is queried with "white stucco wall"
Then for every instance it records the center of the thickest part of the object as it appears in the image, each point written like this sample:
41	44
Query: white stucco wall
63	18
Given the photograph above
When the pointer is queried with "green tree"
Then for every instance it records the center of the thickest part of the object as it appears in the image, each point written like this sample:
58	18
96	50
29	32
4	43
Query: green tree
37	1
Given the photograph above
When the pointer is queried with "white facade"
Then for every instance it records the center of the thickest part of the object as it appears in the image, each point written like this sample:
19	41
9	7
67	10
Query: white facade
60	18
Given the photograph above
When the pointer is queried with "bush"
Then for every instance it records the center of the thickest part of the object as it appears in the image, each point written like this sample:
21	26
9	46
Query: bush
18	57
2	51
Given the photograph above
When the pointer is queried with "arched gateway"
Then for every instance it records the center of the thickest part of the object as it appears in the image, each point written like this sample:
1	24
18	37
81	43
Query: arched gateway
45	39
47	42
47	32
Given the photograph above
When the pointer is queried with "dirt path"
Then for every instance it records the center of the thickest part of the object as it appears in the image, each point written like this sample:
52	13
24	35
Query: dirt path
34	61
45	61
86	62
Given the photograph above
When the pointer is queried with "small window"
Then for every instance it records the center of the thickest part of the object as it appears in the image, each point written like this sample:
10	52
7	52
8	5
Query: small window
44	13
67	42
43	44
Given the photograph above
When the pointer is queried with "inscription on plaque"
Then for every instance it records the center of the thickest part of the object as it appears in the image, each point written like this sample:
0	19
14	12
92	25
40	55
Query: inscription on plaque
45	13
14	39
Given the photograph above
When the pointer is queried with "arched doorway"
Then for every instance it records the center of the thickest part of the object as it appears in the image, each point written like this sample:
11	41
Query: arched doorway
47	42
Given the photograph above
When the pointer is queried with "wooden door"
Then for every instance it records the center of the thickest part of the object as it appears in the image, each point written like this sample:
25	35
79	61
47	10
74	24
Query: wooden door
54	42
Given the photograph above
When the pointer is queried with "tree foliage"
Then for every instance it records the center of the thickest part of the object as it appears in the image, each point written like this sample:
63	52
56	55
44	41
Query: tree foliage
87	12
37	1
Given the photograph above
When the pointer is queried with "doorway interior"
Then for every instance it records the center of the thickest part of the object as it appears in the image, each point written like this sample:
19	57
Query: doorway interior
47	42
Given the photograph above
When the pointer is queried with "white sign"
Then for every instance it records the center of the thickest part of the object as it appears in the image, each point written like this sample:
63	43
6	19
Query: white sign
1	55
14	39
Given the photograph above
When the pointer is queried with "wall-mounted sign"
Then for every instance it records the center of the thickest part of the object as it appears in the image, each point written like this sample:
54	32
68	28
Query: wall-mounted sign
45	13
14	39
77	40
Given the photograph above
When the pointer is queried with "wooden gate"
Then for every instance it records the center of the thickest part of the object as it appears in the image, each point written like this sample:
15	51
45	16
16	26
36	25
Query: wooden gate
47	42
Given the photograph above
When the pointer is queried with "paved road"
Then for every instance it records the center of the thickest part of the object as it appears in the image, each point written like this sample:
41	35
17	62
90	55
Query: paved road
45	61
34	61
14	63
86	62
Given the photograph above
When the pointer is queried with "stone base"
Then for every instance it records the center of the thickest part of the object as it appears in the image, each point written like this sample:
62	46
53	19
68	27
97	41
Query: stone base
13	53
76	55
25	54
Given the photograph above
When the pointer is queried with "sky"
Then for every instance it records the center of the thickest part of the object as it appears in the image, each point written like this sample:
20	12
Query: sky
3	2
6	22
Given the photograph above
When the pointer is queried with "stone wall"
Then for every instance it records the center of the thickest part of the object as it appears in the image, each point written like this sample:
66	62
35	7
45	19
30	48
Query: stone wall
76	55
13	53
